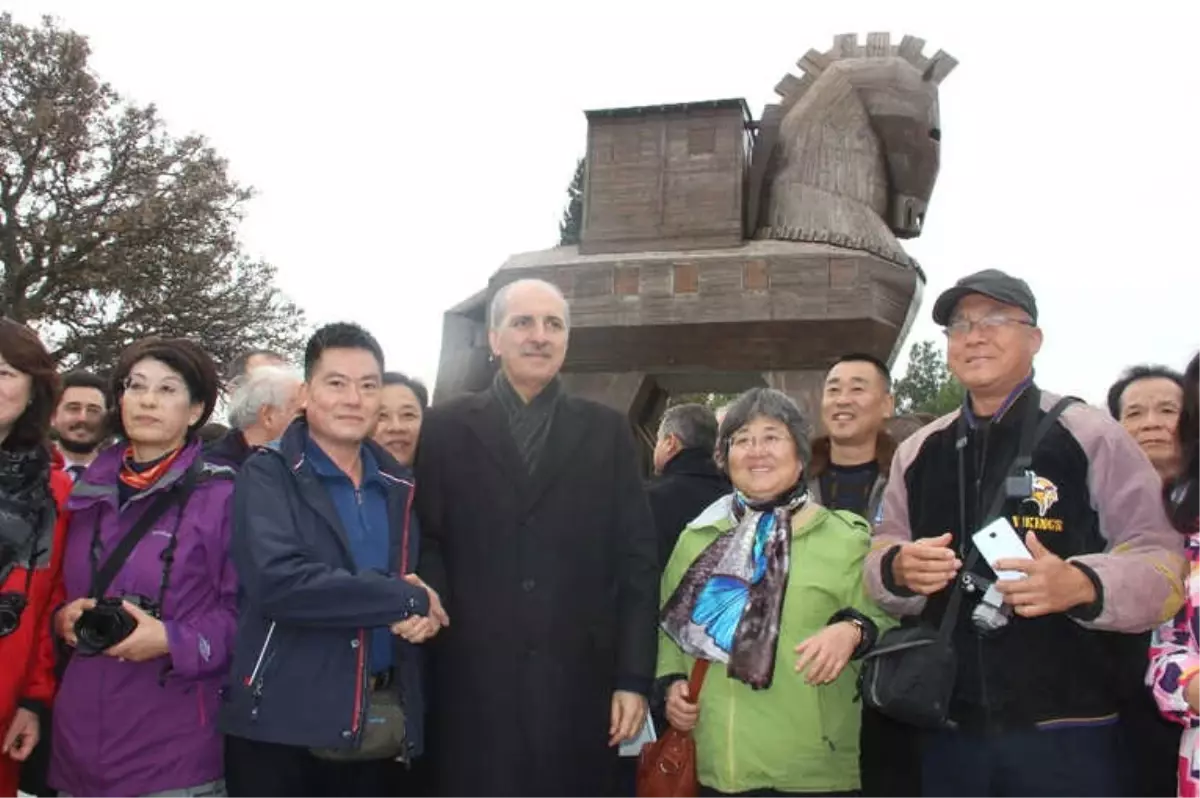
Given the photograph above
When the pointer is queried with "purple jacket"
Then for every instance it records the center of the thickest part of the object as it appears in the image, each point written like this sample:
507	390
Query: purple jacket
123	728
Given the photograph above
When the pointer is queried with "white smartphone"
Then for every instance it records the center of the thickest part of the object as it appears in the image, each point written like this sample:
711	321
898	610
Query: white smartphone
999	541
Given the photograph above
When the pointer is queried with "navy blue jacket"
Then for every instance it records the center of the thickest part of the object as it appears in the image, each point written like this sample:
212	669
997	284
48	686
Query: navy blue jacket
301	656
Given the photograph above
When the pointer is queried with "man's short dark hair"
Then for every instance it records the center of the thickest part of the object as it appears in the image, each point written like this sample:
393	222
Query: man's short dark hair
339	335
411	383
85	379
694	425
238	367
1135	374
863	357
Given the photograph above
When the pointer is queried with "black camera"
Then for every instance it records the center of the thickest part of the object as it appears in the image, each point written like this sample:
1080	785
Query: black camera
107	624
11	607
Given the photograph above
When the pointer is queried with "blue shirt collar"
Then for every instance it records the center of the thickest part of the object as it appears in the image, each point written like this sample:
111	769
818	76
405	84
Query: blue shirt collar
325	468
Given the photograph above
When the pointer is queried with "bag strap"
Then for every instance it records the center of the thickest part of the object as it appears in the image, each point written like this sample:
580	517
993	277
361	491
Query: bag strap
1032	433
179	492
699	670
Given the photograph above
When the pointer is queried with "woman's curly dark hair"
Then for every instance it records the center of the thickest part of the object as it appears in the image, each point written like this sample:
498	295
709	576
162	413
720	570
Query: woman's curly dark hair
1183	498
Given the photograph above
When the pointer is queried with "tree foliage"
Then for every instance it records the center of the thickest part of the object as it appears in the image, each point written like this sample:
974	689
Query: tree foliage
571	226
111	229
927	386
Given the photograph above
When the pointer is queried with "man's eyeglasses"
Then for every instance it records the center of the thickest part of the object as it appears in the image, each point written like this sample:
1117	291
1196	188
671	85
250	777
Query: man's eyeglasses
987	325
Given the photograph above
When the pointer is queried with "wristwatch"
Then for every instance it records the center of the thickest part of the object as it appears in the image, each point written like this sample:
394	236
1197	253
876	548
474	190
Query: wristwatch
860	626
867	630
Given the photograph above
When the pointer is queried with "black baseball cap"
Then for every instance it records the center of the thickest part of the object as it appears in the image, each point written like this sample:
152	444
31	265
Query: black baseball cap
991	283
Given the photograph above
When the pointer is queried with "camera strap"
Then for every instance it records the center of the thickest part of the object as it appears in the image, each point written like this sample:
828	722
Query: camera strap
1032	433
103	576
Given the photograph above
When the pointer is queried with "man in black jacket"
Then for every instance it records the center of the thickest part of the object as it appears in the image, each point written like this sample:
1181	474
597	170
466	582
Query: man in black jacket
688	479
1033	707
537	535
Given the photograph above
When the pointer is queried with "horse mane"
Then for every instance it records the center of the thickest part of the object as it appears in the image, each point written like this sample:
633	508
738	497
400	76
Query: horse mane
846	47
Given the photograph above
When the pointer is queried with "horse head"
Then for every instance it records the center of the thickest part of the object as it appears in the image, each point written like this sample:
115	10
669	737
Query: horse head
850	154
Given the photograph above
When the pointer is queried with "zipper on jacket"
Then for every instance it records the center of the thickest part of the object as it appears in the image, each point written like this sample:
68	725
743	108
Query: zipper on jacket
404	537
262	654
360	679
360	693
255	680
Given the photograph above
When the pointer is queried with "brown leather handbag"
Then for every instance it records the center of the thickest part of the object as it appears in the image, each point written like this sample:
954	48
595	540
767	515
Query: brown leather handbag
667	766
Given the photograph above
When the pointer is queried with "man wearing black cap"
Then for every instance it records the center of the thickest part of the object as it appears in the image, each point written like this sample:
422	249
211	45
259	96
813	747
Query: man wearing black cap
1033	708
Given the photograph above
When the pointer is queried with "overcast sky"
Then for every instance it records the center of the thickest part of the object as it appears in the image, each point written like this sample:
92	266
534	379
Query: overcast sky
402	151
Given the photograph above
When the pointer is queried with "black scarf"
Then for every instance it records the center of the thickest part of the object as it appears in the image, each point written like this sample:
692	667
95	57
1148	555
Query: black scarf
529	422
26	511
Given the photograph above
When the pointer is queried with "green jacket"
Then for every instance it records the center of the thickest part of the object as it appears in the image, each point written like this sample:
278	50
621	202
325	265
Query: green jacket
789	737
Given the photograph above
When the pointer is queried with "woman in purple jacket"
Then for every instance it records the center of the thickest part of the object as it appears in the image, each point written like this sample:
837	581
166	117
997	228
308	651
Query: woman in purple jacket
138	717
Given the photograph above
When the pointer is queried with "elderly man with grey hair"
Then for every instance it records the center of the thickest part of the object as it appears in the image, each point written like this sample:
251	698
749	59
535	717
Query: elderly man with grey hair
264	402
767	585
537	535
687	479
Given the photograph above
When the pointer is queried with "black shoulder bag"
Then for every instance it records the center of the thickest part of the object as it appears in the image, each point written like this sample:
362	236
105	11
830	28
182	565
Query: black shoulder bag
910	674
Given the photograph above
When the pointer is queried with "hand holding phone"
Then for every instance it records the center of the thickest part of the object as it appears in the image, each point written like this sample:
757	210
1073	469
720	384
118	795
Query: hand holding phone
999	541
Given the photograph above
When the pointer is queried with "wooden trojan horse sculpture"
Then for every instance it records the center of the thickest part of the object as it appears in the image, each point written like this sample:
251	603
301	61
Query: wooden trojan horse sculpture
719	253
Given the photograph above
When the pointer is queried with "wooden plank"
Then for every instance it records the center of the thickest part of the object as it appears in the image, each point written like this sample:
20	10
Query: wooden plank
911	48
805	82
845	45
814	63
879	45
941	65
788	86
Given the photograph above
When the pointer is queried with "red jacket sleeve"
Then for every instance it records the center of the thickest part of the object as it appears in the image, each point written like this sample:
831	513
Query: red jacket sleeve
41	684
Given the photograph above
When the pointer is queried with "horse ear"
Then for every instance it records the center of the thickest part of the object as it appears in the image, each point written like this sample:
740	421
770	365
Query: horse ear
941	65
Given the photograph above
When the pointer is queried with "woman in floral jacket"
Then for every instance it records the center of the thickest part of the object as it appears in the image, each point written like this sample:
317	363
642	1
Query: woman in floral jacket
1175	648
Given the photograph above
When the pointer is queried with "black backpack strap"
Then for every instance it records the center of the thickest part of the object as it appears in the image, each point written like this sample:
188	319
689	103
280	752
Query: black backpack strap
177	493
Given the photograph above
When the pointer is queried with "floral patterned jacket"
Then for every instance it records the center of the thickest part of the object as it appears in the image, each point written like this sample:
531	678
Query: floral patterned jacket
1174	661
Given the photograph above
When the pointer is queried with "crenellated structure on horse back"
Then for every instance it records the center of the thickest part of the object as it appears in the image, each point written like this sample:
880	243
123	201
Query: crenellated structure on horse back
719	252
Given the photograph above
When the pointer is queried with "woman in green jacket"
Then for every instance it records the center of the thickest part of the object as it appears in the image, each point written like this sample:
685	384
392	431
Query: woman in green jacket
767	585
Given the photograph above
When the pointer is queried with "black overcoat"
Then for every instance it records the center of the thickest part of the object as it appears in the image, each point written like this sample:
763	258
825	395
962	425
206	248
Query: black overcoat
551	584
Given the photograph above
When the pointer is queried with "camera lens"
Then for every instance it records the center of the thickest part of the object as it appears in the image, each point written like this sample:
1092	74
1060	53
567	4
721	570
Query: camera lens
102	627
11	607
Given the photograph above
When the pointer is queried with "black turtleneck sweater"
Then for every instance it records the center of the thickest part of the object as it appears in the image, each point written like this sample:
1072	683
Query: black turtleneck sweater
848	487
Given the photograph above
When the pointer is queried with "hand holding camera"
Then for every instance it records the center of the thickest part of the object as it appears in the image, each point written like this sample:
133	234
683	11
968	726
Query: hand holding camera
114	627
147	641
68	616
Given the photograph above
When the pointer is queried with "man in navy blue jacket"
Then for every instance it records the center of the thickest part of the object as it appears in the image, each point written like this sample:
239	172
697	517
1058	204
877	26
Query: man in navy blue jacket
324	544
